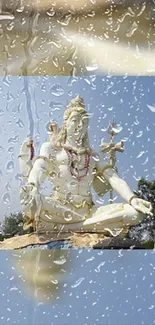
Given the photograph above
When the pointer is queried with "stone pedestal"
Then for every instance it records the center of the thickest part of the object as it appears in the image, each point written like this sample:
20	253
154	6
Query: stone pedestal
71	240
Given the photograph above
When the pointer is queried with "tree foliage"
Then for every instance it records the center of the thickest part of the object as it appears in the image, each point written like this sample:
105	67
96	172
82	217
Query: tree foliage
146	230
13	225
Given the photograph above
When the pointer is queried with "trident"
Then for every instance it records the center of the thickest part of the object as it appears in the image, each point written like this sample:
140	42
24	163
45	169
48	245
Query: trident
112	148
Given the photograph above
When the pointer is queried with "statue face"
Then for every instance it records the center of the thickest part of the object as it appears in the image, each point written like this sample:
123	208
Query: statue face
77	125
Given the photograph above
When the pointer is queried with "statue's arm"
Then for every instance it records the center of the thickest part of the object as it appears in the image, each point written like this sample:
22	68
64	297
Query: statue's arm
122	188
41	166
110	174
118	184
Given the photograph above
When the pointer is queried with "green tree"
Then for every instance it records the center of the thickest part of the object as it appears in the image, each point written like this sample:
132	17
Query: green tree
13	225
146	230
1	236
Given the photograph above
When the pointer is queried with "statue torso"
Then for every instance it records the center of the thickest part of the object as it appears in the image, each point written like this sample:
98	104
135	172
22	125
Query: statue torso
72	173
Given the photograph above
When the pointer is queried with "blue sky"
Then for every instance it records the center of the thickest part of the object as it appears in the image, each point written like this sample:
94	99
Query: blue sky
27	105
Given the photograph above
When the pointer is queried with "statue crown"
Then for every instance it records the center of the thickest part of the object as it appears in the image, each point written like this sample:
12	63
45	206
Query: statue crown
77	102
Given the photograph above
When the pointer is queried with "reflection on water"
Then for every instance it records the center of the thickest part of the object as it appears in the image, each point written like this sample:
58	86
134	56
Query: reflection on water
77	287
43	270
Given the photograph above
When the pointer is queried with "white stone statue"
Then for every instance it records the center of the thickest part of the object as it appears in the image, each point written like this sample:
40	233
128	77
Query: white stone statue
73	168
25	157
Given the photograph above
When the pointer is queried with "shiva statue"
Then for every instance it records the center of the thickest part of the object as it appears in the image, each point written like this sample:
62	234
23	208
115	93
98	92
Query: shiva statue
74	169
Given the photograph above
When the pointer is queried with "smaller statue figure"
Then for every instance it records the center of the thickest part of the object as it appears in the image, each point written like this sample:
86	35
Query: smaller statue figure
53	132
74	168
25	157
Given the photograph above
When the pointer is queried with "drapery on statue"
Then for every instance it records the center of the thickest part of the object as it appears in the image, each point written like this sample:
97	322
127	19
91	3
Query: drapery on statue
73	168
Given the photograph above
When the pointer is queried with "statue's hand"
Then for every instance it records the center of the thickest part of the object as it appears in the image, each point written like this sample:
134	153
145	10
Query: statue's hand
142	206
28	195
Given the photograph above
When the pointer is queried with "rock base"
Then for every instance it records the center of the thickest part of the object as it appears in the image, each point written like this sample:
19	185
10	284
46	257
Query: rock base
71	240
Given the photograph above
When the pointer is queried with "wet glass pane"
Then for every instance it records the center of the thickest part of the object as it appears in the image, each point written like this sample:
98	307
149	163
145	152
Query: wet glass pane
72	285
29	104
77	287
81	270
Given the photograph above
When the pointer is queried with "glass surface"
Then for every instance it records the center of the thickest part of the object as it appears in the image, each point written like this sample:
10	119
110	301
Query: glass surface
77	287
77	37
87	38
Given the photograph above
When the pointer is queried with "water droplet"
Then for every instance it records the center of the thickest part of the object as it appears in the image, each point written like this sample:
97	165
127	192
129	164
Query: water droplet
95	157
99	266
68	216
90	259
54	281
54	106
10	97
55	61
51	12
14	289
128	13
1	112
10	166
78	282
73	183
19	178
146	161
104	129
6	198
92	67
141	154
43	88
20	123
139	134
152	108
37	139
114	272
136	122
8	187
91	14
131	31
65	20
142	9
61	261
14	139
1	149
110	108
11	149
57	90
6	16
20	9
120	252
7	81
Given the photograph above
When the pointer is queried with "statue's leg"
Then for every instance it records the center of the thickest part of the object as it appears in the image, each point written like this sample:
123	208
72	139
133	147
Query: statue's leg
49	210
116	216
55	211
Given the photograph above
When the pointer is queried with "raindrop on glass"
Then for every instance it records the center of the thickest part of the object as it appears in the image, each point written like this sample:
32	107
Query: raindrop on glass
6	198
57	90
10	166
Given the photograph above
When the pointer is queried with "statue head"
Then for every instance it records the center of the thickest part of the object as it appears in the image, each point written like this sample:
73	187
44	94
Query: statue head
75	122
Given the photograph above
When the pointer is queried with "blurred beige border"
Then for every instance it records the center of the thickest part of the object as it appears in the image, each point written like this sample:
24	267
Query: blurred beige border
79	37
